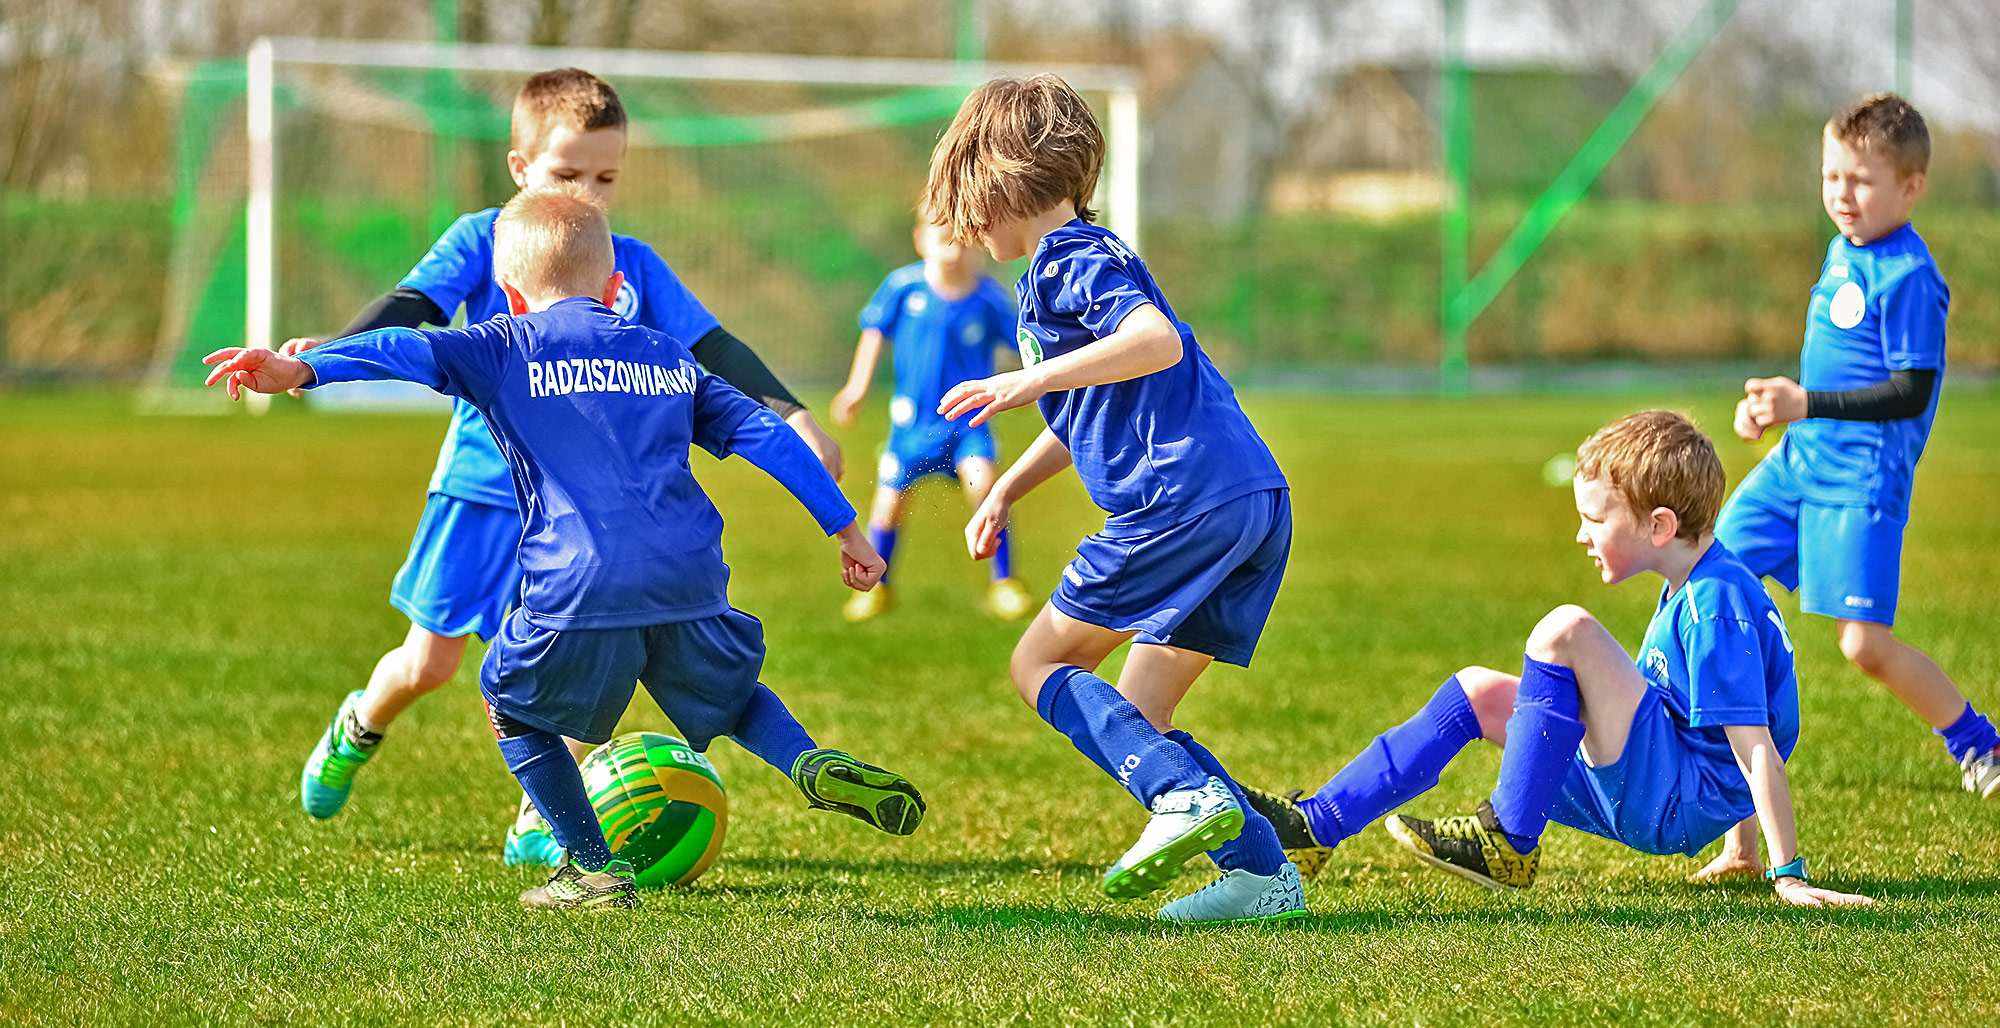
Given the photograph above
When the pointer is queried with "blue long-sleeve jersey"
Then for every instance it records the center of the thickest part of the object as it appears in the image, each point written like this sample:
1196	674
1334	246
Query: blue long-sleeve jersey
594	417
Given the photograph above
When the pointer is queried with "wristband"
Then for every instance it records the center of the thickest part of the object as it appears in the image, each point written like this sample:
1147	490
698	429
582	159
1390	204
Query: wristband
1795	869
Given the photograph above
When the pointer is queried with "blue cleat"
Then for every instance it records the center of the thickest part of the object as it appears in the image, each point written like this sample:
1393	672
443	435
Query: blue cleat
329	771
530	840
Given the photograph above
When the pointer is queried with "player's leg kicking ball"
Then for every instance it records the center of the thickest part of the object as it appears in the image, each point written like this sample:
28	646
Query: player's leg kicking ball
572	888
832	780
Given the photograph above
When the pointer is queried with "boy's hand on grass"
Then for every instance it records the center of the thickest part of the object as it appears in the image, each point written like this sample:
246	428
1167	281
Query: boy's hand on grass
822	445
982	533
1795	893
845	404
1729	865
990	396
860	566
1747	428
260	371
294	347
1774	401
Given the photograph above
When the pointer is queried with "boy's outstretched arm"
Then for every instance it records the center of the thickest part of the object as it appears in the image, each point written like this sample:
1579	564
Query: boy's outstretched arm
1045	458
1145	342
1757	757
457	362
867	352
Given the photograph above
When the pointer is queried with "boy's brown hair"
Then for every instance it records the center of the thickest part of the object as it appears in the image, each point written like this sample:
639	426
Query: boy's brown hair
553	242
1017	148
1886	124
565	96
1658	458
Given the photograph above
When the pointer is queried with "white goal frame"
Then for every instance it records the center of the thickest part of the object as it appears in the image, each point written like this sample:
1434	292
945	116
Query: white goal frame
1121	187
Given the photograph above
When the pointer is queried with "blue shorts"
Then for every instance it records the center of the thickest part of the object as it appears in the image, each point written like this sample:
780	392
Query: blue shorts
910	456
1206	584
462	573
1843	561
578	683
1657	797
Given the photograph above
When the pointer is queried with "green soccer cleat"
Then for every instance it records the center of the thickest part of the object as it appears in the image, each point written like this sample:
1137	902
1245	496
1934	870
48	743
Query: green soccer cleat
1239	897
1471	846
573	888
1295	833
833	780
329	771
1185	822
530	840
1981	774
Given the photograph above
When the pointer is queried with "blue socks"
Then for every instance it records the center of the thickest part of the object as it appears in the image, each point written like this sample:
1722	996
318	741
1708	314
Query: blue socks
1003	555
1542	737
771	732
884	541
1257	850
1400	765
1971	733
1109	730
550	777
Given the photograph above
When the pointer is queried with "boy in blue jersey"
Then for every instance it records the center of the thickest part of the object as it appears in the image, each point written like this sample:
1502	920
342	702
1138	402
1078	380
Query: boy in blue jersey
1199	517
1664	754
942	319
460	576
620	550
1824	513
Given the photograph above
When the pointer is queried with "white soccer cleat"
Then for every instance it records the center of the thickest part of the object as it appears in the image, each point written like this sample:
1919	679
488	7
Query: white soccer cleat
1239	897
1982	773
1184	822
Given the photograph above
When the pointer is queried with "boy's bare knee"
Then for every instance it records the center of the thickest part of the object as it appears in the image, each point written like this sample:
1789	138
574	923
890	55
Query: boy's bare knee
1555	636
1867	646
1491	694
433	661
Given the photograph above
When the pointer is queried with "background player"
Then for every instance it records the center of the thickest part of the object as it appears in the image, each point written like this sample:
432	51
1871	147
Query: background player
622	554
942	318
460	576
1199	516
1664	754
1824	512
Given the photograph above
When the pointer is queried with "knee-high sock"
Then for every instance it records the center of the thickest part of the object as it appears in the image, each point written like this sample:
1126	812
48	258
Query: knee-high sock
1003	555
1400	765
549	775
884	541
1971	733
770	731
1542	737
1257	850
1108	729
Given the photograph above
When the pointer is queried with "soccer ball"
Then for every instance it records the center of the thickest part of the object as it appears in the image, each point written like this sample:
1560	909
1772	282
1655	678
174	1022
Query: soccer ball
661	804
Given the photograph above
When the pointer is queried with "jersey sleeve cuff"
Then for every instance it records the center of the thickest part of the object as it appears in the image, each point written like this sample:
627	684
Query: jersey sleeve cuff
1724	717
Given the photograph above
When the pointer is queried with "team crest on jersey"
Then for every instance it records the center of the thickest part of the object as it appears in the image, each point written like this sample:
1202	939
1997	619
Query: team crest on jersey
626	303
1030	347
1656	665
973	334
916	303
1849	302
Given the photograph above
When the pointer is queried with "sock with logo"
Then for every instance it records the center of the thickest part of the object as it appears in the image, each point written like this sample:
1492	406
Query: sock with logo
1400	765
358	734
1257	850
1971	733
1542	736
884	541
1105	727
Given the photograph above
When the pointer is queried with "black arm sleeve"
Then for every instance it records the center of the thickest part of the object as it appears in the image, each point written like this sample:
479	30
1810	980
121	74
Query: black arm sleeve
731	360
401	308
1905	395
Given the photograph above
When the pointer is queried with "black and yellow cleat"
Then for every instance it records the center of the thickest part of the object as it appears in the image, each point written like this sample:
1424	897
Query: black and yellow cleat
833	780
1295	832
1471	846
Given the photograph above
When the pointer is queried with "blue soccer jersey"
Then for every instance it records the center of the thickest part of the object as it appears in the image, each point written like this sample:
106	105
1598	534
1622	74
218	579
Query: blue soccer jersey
459	270
1877	308
1152	451
1717	654
594	416
936	342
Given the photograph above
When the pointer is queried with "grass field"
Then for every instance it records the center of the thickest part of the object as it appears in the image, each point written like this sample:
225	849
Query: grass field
183	601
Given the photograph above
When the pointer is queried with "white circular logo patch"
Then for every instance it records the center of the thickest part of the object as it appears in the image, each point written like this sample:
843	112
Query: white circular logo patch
1030	347
626	305
1848	305
915	304
974	333
902	411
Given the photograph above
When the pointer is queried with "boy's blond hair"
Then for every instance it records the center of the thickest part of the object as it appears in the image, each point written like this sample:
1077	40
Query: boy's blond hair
564	96
1654	459
553	242
1886	124
1017	148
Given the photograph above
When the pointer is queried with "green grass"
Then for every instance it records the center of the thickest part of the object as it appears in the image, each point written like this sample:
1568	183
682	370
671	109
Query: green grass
183	601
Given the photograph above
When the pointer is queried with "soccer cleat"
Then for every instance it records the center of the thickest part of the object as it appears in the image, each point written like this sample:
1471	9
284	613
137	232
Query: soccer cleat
1295	832
1239	897
530	840
1184	822
869	605
329	771
832	780
1008	600
573	888
1982	773
1471	846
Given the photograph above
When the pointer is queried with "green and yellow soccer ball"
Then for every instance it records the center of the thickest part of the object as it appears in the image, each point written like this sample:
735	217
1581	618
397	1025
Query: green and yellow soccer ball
661	804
